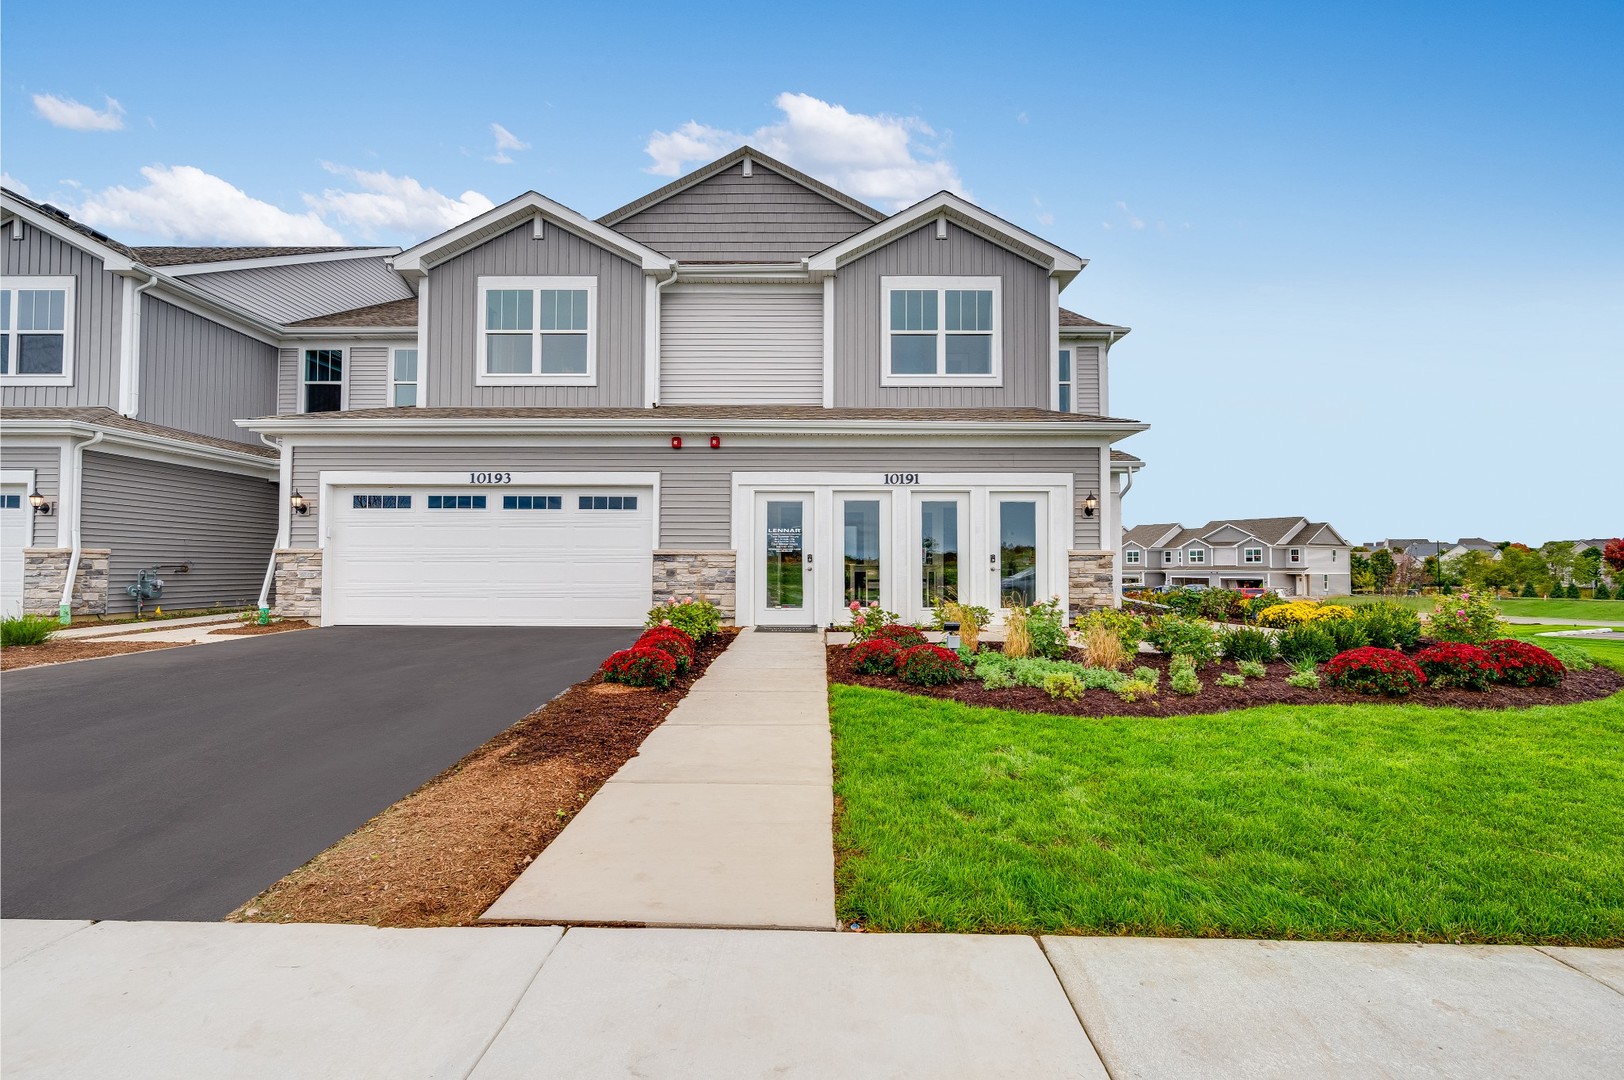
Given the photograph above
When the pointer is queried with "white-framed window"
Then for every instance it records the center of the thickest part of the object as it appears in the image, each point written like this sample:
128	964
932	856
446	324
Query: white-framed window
1131	557
36	331
538	331
1252	555
1167	558
1295	555
403	377
1333	554
321	380
1198	556
941	331
1065	396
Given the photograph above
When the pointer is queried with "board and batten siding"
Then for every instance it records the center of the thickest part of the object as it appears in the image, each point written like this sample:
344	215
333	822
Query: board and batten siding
741	345
97	318
731	217
197	375
1028	335
696	484
46	463
153	513
455	321
296	291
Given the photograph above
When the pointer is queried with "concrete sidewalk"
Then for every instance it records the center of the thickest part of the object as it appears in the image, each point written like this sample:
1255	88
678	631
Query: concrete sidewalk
221	999
723	818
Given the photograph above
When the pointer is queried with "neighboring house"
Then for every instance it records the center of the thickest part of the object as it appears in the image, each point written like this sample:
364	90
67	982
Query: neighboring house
1470	543
1292	555
745	385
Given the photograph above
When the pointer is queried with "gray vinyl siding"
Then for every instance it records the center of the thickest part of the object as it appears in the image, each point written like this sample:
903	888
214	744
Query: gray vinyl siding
304	290
730	217
369	376
741	344
151	513
197	375
287	380
455	321
1027	330
696	485
1085	363
98	312
46	461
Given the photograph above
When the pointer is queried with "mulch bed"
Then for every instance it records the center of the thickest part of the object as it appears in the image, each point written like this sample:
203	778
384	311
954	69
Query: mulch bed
443	854
56	652
254	629
1272	690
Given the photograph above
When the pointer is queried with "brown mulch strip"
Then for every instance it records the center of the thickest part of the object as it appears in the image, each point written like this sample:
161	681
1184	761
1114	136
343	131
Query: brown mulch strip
1272	690
254	629
443	854
56	652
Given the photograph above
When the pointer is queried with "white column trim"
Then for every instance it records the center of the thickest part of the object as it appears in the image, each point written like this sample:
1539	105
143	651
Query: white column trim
1054	346
829	342
422	346
651	342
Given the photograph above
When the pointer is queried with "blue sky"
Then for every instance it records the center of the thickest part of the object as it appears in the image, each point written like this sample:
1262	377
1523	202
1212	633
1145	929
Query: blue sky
1373	256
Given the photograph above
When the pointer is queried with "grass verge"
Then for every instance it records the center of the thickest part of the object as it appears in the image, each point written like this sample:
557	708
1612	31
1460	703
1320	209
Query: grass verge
1368	822
1517	607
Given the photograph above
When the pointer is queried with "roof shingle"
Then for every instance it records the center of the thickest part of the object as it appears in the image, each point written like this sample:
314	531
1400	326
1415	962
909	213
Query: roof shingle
101	416
389	313
182	256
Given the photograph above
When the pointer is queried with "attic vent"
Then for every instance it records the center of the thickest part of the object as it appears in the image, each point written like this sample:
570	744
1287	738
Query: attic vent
55	211
747	166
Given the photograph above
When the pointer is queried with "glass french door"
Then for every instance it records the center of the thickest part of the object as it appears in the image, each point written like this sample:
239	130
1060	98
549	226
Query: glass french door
941	530
783	536
864	535
1018	561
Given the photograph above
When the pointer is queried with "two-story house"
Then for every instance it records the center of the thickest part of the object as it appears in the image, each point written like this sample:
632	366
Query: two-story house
746	385
1290	555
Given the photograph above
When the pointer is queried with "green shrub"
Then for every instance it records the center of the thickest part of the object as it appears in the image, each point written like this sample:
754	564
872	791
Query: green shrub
1185	602
1348	634
1573	658
1529	593
1173	634
1247	643
1222	605
1389	625
1470	619
1573	590
1059	684
1307	641
1259	604
1032	670
1602	592
1133	690
26	630
698	618
1251	669
1147	674
1128	627
1185	682
1230	678
995	678
1306	678
1046	626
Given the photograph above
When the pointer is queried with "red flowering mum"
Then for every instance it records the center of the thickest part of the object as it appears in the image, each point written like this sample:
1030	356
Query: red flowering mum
1374	671
1517	663
876	656
1453	664
671	640
904	636
929	665
641	665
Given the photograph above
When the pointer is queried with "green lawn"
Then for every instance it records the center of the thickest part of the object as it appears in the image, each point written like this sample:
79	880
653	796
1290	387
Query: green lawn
1383	822
1610	653
1597	610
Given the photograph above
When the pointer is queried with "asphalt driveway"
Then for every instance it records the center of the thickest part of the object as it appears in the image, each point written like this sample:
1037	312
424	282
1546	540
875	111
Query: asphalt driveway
177	784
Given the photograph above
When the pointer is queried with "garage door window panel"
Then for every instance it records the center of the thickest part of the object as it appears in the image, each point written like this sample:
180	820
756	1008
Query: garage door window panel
381	502
456	502
608	502
538	331
532	502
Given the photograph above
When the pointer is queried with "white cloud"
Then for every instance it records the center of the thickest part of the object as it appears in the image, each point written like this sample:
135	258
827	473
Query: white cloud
1022	118
389	206
1045	216
70	114
183	203
889	160
1134	222
505	141
11	182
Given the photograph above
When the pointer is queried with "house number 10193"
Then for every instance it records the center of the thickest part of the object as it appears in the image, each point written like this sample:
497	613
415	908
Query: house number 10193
490	478
901	479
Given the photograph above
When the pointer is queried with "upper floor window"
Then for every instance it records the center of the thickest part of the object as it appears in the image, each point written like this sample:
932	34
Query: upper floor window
36	331
941	331
1065	380
1167	558
1131	556
1198	556
323	380
403	377
1295	555
1252	555
537	331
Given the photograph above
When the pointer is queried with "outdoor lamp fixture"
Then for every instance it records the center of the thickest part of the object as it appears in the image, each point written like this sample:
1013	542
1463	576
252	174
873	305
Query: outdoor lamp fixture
676	442
716	442
1091	504
38	502
298	503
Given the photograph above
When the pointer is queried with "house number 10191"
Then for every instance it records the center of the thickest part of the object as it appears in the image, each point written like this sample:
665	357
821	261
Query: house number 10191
490	478
901	479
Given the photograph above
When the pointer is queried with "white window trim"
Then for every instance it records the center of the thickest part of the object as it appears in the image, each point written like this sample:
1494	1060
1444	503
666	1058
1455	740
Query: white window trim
1069	384
70	312
1168	558
535	284
415	383
1294	556
1130	557
1198	556
1246	556
344	373
888	285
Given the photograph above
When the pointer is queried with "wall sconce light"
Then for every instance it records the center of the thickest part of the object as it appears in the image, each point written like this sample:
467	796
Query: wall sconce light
716	442
39	503
1091	504
298	503
676	442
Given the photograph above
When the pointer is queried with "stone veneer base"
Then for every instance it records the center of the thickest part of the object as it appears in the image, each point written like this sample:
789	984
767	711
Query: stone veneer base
1092	581
44	570
298	583
707	574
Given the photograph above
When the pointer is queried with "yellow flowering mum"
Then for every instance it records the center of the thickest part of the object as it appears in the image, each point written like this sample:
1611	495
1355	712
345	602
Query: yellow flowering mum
1297	612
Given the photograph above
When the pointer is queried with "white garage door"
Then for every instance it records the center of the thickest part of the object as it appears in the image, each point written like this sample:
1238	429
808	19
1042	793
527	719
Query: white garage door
16	518
520	556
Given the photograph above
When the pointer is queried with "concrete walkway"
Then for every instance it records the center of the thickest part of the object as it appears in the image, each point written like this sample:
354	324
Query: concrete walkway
722	819
218	999
104	631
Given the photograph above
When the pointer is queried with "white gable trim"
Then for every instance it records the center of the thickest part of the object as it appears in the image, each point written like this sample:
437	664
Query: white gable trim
494	222
111	259
1056	260
223	265
748	157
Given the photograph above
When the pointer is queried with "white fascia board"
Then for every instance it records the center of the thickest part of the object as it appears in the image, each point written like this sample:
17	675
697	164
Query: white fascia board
788	273
1112	332
417	260
1085	432
112	260
298	334
140	444
1061	261
221	266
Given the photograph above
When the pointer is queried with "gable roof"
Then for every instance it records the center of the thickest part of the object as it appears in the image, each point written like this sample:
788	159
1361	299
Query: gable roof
727	161
103	417
527	207
54	219
1269	530
1313	532
1071	320
188	256
1148	536
402	313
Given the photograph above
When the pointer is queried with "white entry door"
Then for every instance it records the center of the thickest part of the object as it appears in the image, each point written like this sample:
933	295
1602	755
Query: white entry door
786	587
941	534
1021	558
16	520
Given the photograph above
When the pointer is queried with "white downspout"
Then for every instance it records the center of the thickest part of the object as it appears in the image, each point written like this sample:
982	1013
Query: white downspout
130	368
285	472
76	466
656	317
1127	482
